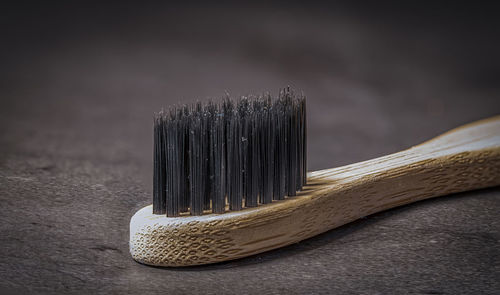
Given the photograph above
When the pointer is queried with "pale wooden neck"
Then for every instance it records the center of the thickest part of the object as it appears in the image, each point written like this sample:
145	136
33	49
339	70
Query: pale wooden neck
474	143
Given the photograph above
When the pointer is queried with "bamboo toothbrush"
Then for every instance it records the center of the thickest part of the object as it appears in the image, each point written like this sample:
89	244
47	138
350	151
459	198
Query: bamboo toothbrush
230	180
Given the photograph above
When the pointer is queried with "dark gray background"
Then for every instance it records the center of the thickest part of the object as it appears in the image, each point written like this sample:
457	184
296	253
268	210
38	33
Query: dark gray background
79	84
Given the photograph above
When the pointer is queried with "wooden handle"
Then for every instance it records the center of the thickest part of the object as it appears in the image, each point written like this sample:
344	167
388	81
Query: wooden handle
463	159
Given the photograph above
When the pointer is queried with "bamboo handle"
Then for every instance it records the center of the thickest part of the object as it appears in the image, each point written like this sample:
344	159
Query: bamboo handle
462	159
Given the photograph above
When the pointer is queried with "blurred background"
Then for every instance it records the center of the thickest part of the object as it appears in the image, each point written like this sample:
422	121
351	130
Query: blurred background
369	70
80	80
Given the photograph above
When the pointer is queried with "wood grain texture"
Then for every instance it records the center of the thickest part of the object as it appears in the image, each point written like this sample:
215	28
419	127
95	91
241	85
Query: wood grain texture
463	159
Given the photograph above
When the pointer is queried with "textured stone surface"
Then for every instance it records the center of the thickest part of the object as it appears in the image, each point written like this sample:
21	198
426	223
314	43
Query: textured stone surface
78	86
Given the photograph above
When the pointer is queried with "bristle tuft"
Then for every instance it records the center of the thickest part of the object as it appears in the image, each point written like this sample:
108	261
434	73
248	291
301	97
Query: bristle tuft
243	154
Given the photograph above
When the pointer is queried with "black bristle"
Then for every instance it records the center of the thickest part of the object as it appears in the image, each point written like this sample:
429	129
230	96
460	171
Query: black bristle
209	156
159	199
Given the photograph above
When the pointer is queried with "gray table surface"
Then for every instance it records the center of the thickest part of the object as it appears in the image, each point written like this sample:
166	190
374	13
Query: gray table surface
78	87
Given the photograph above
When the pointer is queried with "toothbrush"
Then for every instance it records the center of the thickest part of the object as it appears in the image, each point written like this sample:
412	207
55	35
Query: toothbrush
204	154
